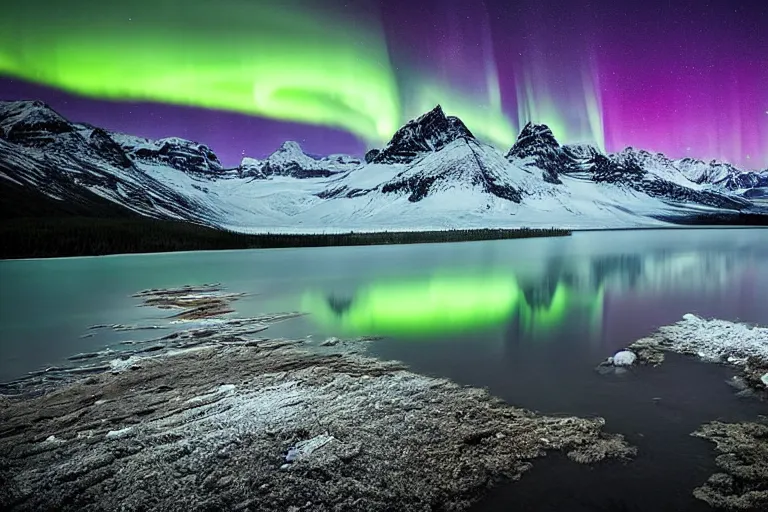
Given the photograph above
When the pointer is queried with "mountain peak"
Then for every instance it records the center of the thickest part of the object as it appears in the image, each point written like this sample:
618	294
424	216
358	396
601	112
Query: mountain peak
536	134
30	121
429	132
291	160
181	154
537	141
290	146
435	114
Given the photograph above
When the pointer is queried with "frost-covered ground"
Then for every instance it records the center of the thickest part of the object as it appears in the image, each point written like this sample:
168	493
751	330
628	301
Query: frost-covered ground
740	345
226	421
712	340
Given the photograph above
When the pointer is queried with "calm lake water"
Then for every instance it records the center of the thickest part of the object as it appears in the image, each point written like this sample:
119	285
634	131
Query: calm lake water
528	319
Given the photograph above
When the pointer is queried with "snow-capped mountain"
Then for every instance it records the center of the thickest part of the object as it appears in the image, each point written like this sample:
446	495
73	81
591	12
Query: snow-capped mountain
429	133
722	175
81	165
537	149
184	155
432	174
290	160
432	154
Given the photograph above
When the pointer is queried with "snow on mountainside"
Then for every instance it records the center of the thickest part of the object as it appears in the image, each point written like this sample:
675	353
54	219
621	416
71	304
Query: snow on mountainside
430	132
290	160
462	164
721	175
181	154
40	150
537	149
31	123
432	174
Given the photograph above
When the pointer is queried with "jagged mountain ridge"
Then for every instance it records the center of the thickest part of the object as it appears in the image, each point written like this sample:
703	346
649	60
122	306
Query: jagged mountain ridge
184	155
428	133
433	173
433	153
463	162
537	145
290	160
41	150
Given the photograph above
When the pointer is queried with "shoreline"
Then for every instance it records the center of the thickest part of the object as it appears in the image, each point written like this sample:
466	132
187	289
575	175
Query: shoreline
741	447
281	425
216	418
31	238
474	235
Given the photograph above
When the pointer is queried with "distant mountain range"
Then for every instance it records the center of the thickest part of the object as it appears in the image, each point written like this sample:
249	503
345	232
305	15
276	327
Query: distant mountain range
433	174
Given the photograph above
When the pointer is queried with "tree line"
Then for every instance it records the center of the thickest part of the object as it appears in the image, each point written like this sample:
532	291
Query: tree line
84	236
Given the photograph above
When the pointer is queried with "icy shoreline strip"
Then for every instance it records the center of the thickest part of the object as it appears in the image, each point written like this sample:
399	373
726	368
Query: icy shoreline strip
740	345
242	427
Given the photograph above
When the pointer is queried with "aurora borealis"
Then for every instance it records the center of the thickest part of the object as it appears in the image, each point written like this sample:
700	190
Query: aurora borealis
450	303
685	78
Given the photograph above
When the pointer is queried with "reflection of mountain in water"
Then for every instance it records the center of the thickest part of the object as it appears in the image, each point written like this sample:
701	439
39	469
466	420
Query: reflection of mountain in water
534	302
339	305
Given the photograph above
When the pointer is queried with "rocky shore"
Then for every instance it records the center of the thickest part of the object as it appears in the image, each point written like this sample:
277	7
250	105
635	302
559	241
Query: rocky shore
742	346
218	419
742	448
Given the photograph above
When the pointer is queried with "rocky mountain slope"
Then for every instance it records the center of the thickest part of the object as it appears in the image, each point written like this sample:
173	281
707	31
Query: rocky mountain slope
433	174
42	151
290	160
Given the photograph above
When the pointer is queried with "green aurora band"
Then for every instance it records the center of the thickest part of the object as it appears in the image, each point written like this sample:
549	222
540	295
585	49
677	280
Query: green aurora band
536	104
449	304
279	59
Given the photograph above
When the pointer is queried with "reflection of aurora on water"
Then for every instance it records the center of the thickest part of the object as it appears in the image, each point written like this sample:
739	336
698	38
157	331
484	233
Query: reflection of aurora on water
450	304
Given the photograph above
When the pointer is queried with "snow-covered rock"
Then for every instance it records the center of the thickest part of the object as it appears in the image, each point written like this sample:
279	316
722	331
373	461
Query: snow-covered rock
721	175
118	434
537	147
251	168
715	340
31	122
624	358
122	364
304	449
177	153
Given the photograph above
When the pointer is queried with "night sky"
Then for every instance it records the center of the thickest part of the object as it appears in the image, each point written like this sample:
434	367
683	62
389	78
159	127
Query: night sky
688	78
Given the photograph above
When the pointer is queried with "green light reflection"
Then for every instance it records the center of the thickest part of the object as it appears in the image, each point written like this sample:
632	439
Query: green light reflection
444	304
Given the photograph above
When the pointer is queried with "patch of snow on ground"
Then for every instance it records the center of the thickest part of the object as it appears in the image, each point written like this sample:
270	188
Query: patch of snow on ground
119	365
117	434
716	340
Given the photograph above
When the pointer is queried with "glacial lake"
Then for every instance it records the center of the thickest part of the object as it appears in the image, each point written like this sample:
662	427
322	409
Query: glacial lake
527	319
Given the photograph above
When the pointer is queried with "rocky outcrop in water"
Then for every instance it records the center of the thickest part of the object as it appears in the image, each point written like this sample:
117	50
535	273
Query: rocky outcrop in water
742	346
743	459
742	447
